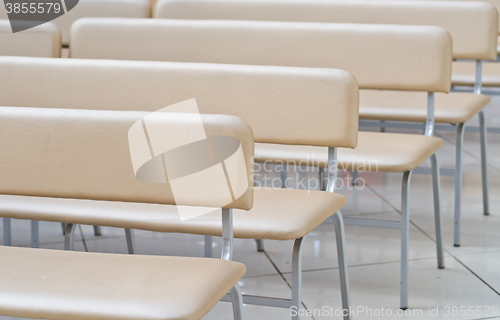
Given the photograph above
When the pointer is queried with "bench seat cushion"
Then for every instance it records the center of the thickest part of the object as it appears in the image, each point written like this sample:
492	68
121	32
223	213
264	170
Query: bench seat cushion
464	74
65	285
455	107
392	152
278	214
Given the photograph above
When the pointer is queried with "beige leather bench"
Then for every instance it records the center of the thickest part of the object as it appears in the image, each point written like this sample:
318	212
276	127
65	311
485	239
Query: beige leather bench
472	25
97	8
42	41
92	147
386	66
245	91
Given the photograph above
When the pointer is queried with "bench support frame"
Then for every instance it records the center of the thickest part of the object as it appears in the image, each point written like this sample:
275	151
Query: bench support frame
296	300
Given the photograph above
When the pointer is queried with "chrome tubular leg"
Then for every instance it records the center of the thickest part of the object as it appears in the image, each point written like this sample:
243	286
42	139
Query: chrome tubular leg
97	230
209	247
34	234
227	234
237	301
69	237
63	226
283	175
484	163
382	127
7	237
405	238
436	187
297	277
260	245
322	177
129	235
341	256
458	182
354	177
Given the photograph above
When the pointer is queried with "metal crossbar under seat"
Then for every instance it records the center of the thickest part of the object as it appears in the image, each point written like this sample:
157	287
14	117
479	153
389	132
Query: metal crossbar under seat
404	224
234	296
457	172
296	300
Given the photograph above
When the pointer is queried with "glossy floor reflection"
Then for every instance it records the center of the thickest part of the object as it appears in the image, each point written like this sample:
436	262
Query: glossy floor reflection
471	277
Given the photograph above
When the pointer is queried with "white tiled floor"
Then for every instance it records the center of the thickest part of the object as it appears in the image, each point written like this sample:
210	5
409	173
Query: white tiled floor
471	277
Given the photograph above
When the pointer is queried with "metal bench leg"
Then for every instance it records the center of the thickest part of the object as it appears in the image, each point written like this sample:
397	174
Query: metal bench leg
34	234
436	187
237	301
283	175
7	237
69	237
129	235
260	245
341	256
97	230
405	238
458	182
209	247
484	163
322	177
297	277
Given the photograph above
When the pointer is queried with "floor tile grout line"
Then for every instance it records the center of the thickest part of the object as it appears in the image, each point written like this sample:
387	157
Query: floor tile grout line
479	252
494	317
83	238
361	265
445	250
470	153
284	279
477	276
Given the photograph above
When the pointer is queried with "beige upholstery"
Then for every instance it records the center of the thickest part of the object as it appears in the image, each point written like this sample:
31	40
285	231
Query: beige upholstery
244	91
464	74
42	41
375	152
62	285
278	214
97	8
84	154
495	3
456	107
472	25
399	58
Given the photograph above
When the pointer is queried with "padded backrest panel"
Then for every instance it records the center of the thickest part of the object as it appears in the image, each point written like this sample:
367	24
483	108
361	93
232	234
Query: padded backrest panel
42	41
84	154
472	25
304	106
495	3
97	8
379	56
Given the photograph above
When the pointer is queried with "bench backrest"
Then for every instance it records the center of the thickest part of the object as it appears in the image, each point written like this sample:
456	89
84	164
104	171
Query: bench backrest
379	56
282	105
42	41
472	25
84	154
97	8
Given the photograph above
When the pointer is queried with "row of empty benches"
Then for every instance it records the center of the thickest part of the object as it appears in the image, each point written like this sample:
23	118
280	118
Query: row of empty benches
302	88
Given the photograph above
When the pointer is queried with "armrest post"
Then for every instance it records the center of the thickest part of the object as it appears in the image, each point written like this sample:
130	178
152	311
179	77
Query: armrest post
478	82
429	125
227	234
332	169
